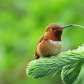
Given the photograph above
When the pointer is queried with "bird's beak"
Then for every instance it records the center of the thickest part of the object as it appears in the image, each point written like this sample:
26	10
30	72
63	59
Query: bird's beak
66	26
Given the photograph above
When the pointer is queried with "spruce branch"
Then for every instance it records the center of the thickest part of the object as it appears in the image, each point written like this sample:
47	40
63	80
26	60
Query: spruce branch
69	61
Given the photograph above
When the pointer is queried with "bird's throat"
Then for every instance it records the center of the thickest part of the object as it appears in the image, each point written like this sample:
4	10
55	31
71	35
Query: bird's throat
53	37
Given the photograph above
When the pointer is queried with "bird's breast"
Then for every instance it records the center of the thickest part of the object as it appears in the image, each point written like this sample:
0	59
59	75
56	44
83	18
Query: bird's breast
48	48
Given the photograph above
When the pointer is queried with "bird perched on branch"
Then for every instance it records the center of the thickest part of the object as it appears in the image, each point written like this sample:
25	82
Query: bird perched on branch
49	44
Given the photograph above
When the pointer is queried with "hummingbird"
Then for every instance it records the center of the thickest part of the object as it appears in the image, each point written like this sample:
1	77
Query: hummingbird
49	44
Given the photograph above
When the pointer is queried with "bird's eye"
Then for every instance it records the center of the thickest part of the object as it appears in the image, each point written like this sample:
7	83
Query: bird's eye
52	28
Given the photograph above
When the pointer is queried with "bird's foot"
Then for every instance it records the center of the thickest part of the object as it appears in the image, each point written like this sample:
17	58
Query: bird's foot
54	54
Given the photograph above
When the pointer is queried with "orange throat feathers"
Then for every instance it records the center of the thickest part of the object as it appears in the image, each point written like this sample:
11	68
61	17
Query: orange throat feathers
53	36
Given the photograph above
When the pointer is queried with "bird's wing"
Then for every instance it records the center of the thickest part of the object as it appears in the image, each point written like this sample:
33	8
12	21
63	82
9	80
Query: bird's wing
39	40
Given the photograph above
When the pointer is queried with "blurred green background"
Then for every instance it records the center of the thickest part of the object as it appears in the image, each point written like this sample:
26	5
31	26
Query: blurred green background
22	22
